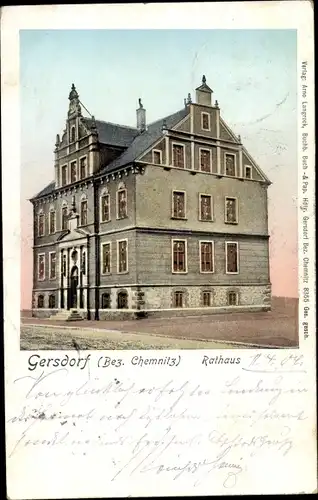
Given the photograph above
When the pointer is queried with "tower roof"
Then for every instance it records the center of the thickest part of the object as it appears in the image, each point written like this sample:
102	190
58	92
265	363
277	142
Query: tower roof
204	87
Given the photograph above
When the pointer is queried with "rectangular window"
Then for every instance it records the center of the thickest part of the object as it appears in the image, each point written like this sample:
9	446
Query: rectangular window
83	167
64	175
83	213
231	250
178	299
52	221
230	164
206	299
205	121
73	171
122	255
179	256
106	258
178	155
106	301
52	265
41	266
248	172
122	204
206	207
231	210
206	257
178	204
205	160
157	157
64	219
41	220
105	208
232	299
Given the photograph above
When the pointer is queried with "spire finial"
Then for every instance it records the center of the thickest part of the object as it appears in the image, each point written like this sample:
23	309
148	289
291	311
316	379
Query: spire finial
140	103
185	102
203	79
189	100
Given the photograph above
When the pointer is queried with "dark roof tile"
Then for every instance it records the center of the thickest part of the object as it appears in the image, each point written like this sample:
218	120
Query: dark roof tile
113	134
47	190
144	140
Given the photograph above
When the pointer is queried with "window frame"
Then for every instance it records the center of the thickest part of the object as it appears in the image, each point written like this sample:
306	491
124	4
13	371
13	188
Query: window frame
185	204
40	214
210	152
38	266
209	293
72	127
52	211
236	210
117	203
70	169
173	143
83	200
79	167
179	240
212	207
37	301
104	195
245	170
103	244
237	257
200	256
235	165
67	214
205	113
118	256
122	292
64	166
50	268
228	298
160	155
178	293
110	301
52	295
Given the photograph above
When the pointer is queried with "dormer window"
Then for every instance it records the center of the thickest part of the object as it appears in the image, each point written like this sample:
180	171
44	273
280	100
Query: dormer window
248	172
205	121
157	157
72	134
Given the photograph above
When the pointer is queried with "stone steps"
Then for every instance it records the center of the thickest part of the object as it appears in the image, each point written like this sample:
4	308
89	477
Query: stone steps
67	315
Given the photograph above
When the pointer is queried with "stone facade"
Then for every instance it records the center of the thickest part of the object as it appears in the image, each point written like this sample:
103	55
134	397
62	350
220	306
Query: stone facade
104	229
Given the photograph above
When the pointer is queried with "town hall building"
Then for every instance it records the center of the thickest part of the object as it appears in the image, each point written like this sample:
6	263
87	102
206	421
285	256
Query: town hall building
165	218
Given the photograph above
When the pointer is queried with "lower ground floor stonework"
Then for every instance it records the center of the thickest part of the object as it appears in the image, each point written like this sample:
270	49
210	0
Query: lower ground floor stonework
127	302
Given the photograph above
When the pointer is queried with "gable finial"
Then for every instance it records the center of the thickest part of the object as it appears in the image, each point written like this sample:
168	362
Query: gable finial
164	127
239	138
140	103
189	100
203	80
216	104
73	94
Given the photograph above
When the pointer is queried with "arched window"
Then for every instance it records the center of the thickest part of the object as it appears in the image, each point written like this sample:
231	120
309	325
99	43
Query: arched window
64	217
121	196
72	135
52	301
232	298
40	301
122	300
106	301
41	223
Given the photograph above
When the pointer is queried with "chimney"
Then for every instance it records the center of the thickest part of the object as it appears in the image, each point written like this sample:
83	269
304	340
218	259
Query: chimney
141	117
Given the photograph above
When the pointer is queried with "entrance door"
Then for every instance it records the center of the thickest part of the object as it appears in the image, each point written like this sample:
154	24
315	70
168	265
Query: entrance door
73	287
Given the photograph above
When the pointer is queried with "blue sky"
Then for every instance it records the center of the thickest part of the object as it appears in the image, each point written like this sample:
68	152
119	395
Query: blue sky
252	73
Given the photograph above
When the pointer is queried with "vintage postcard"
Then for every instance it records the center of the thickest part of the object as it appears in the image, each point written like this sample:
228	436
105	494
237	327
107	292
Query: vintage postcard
159	249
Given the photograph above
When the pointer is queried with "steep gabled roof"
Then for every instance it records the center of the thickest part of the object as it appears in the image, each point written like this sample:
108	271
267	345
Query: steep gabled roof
144	140
111	133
